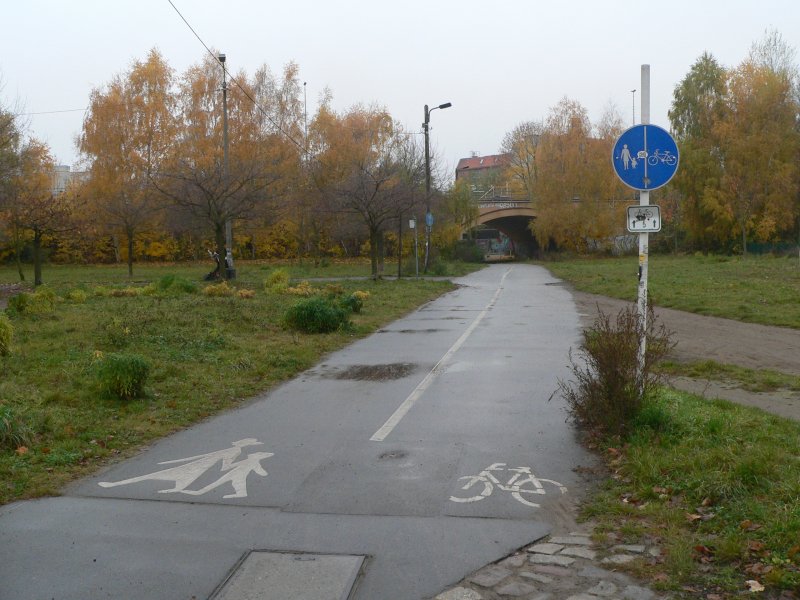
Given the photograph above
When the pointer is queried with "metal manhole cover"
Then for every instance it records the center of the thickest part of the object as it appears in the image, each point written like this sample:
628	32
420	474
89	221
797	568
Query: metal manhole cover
280	575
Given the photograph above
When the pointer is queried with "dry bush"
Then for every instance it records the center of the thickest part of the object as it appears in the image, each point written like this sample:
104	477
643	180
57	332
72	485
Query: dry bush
608	391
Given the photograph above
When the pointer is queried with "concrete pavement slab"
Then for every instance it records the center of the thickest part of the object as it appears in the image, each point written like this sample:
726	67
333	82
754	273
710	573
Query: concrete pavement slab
82	548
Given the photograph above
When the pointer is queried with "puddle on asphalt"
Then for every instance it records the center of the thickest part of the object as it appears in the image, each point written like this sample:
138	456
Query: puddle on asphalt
376	372
410	330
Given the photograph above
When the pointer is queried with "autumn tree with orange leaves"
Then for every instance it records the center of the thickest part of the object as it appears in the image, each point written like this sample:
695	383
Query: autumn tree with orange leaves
264	124
365	165
128	134
739	141
577	196
759	144
32	205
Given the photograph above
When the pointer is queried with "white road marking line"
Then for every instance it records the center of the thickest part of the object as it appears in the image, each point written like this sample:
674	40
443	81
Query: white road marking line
403	409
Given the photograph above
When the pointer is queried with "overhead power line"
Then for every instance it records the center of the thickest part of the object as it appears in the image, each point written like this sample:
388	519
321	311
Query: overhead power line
53	112
233	80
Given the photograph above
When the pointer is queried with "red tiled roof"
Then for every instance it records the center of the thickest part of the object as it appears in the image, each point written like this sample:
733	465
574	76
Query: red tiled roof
483	162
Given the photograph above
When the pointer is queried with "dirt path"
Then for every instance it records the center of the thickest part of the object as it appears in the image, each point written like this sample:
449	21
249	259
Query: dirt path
724	341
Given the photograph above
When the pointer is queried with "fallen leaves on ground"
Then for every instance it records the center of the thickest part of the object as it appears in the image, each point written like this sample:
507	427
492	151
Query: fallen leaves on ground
748	525
703	554
754	586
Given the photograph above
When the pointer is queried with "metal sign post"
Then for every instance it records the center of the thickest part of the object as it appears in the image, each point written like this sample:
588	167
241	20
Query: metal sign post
645	157
412	224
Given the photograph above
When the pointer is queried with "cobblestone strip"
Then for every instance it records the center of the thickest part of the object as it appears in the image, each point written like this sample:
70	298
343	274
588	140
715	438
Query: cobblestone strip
559	567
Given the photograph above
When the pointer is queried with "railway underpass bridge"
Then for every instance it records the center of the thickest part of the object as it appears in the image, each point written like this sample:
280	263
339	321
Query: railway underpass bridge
512	217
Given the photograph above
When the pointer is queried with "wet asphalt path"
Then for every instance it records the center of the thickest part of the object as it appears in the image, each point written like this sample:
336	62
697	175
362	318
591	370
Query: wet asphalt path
366	454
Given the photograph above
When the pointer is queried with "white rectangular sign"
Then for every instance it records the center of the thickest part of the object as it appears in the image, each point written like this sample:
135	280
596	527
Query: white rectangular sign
644	219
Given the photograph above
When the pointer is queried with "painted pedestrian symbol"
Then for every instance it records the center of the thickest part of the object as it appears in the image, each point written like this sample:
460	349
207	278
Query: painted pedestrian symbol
193	468
522	481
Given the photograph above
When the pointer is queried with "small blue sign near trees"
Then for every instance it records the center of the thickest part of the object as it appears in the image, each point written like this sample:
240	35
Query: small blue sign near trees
645	157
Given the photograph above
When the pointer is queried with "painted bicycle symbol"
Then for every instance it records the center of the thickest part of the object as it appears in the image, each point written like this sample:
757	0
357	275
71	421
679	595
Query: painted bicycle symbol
665	157
522	481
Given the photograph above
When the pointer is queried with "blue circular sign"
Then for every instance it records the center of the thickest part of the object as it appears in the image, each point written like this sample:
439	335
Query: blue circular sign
645	157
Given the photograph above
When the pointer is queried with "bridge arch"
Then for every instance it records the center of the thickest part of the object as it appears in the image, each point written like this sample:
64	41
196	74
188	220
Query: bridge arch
513	218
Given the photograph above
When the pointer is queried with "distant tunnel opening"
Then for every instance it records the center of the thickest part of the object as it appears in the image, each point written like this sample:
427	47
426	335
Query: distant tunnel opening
516	229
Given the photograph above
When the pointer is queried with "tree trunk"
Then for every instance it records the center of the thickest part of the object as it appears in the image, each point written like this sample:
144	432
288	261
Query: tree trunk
373	251
129	233
115	244
37	257
18	260
744	240
400	246
381	240
219	237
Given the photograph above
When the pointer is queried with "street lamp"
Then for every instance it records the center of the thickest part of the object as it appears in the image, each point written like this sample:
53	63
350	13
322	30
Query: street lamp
428	215
230	272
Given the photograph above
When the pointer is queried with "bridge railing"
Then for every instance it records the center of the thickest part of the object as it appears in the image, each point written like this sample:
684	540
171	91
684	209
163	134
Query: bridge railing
501	204
497	194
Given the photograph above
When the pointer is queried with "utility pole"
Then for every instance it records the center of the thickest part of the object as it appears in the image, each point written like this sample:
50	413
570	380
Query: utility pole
230	272
428	214
427	187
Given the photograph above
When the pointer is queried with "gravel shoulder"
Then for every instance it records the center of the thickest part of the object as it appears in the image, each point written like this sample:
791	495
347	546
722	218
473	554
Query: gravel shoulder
725	341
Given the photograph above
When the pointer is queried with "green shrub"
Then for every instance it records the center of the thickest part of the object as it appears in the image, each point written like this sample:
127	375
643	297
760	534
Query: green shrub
14	429
438	268
352	303
6	335
42	301
219	290
117	332
277	281
608	392
316	315
175	284
334	290
303	288
18	303
78	296
123	375
465	251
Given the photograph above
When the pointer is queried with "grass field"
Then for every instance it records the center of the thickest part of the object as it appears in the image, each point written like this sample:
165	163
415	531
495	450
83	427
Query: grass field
205	353
761	289
249	273
716	486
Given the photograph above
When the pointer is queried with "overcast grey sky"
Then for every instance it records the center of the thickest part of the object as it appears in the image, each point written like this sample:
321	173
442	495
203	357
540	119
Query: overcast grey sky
499	63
